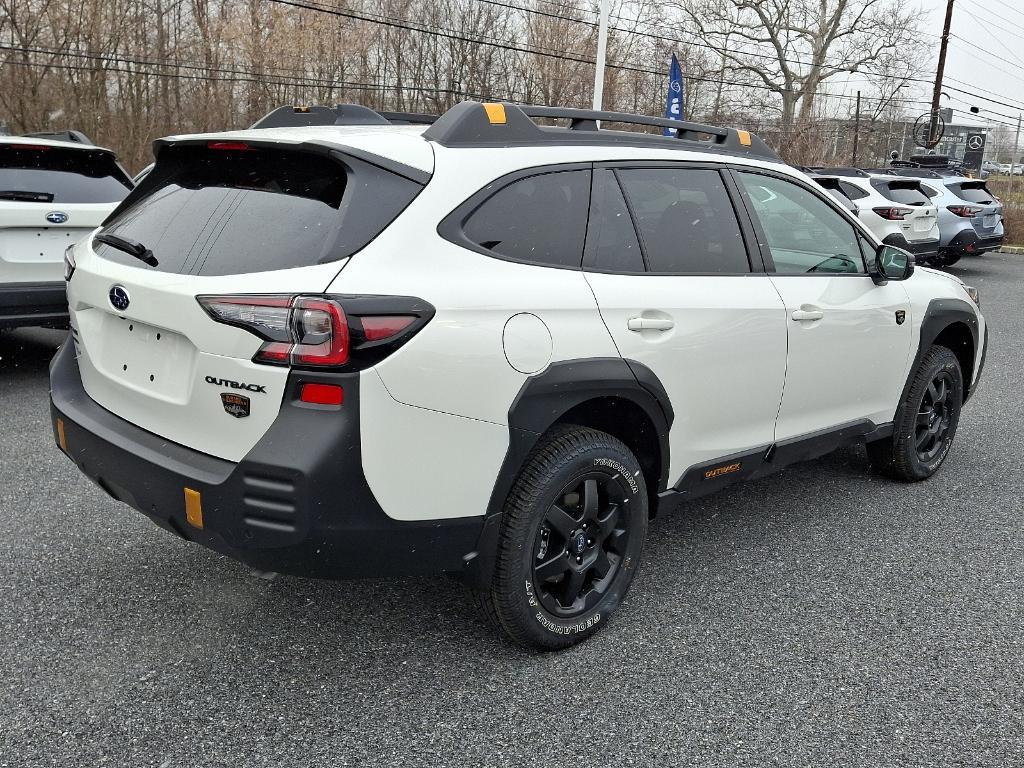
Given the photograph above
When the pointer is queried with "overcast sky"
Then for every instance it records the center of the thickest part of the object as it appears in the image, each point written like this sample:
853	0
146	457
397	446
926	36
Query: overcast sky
985	59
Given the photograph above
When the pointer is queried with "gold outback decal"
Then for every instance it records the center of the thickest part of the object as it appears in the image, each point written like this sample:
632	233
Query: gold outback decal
711	474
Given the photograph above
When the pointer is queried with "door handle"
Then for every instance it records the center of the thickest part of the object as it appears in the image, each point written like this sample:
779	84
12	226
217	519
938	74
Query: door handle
807	315
650	324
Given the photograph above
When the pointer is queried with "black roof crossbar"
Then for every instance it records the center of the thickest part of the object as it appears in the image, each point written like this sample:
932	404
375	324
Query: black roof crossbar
839	171
76	137
410	118
472	124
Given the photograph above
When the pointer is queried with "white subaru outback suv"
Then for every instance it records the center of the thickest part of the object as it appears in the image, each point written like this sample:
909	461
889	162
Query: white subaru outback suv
55	188
391	344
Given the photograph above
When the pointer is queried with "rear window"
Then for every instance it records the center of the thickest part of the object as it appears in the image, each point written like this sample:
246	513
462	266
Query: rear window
45	174
906	192
232	211
972	192
832	187
540	219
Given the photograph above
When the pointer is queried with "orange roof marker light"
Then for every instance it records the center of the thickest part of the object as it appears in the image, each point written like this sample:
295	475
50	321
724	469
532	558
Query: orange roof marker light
495	113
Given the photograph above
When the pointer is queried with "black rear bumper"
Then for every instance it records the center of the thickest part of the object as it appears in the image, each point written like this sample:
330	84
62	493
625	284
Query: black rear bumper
298	503
44	304
922	251
967	243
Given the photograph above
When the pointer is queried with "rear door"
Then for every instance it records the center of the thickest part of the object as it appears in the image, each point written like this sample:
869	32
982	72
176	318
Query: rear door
849	339
50	197
222	220
683	300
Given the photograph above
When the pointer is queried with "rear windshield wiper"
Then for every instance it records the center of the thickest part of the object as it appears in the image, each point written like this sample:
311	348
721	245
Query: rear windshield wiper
26	195
129	246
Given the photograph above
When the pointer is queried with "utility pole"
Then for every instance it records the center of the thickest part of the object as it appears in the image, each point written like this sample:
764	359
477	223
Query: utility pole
602	53
933	126
856	131
1015	160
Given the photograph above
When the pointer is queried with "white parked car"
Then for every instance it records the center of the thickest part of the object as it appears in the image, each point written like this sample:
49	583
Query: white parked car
896	209
53	191
487	347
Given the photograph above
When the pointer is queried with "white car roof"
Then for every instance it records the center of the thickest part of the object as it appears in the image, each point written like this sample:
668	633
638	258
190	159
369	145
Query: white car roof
402	143
40	142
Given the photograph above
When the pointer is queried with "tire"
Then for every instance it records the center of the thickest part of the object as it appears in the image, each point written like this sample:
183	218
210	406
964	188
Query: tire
557	582
925	422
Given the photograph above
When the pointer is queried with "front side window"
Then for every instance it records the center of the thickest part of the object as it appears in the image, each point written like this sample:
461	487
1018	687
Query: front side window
686	220
804	234
540	219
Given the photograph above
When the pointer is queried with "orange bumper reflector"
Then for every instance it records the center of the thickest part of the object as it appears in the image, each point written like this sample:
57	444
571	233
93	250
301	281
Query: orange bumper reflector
744	138
193	508
62	441
495	113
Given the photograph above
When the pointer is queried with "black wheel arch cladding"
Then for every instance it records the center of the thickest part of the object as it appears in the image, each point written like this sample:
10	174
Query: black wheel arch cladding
547	398
943	323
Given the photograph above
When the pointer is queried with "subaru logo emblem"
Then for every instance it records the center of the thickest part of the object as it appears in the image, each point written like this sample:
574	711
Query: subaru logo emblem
119	298
56	217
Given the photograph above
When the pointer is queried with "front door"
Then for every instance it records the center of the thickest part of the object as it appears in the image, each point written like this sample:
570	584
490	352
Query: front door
849	339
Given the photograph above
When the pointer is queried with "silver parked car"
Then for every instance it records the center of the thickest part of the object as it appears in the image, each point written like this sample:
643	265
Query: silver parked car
970	216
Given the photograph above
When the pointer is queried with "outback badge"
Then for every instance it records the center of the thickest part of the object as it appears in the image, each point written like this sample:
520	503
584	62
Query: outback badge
236	405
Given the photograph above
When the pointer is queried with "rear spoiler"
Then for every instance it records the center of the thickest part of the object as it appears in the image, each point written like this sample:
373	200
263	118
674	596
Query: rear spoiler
74	137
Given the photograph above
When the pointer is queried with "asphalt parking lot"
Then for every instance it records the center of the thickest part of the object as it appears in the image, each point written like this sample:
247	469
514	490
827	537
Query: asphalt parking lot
819	617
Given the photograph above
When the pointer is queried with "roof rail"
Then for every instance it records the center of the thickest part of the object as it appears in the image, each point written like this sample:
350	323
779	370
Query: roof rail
340	114
909	171
472	124
76	137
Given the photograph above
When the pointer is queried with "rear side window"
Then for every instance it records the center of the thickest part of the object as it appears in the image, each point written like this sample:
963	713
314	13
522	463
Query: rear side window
906	192
832	187
972	192
852	191
612	244
540	219
221	212
45	174
686	220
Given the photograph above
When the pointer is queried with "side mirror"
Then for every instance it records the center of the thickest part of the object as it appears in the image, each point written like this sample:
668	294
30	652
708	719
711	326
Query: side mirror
891	263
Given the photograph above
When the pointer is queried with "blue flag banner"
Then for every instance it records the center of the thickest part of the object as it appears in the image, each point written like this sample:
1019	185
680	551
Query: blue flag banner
674	103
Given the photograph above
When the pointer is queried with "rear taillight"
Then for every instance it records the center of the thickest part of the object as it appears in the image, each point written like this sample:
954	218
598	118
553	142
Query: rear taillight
893	213
967	211
316	331
69	262
298	330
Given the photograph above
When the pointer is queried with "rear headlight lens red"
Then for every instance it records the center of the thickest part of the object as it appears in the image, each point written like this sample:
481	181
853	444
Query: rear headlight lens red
378	327
893	213
967	211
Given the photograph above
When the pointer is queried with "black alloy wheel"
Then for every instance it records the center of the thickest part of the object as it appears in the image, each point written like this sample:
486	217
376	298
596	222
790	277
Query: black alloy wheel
572	533
934	417
580	545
